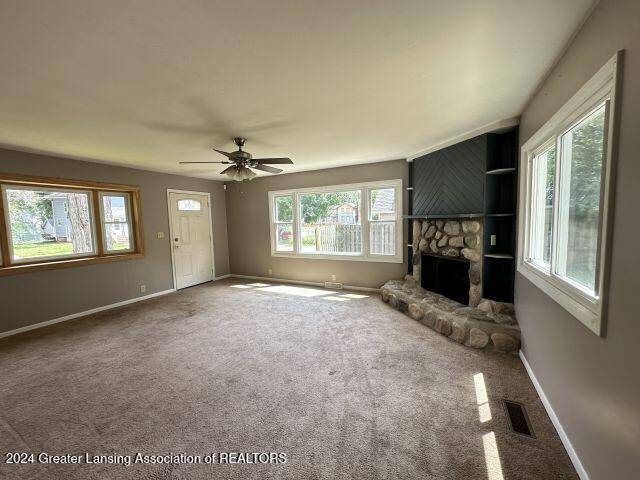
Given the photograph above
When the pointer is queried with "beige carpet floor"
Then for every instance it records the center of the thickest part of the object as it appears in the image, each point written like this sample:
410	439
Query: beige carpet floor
343	384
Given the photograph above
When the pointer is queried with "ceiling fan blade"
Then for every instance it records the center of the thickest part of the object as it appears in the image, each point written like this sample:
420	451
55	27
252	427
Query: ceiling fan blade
228	155
227	169
266	168
273	160
204	162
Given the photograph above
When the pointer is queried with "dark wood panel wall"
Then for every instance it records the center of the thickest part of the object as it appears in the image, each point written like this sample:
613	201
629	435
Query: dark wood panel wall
451	181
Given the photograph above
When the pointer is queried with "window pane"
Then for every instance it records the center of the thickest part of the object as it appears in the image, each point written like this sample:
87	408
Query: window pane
114	208
115	214
117	236
382	238
331	222
383	204
189	205
579	207
284	209
544	174
47	223
284	237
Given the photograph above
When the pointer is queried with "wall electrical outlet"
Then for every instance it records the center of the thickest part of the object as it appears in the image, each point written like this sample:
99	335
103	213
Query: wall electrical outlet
494	240
333	278
270	272
160	235
143	288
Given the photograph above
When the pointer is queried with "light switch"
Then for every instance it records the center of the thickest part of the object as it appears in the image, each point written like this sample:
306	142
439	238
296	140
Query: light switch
161	235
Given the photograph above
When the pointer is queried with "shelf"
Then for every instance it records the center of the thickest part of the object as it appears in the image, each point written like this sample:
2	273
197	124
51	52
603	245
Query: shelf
504	256
501	171
450	215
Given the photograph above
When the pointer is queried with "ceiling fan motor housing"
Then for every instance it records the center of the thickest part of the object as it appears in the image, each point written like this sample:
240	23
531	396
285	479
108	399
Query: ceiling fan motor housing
241	155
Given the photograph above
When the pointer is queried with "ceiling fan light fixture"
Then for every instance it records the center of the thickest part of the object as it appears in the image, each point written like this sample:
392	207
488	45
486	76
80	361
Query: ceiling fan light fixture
241	173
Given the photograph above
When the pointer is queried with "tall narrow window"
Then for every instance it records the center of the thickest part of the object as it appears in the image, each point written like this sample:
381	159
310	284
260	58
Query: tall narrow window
116	221
382	221
566	198
46	224
543	185
283	217
580	199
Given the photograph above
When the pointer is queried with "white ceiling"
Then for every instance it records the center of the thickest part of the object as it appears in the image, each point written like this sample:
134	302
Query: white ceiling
148	83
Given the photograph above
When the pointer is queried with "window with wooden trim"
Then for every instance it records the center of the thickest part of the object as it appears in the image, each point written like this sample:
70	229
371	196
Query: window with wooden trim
49	223
115	215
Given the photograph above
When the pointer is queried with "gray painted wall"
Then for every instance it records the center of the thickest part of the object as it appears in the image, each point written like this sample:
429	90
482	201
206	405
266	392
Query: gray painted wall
73	290
593	383
248	227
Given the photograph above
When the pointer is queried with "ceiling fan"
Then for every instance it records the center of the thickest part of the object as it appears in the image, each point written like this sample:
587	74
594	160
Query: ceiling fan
242	163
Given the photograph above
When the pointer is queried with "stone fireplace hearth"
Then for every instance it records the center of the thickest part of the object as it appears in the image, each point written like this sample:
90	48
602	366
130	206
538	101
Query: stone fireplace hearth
480	323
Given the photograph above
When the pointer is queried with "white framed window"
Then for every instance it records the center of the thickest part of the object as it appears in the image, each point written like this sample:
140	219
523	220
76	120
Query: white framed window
115	217
566	189
283	223
383	221
361	222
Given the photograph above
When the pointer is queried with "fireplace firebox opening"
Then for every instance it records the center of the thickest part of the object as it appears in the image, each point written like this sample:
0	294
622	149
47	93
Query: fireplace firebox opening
447	276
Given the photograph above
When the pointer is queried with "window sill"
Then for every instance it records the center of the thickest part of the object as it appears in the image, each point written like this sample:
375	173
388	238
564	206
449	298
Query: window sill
66	263
587	311
347	257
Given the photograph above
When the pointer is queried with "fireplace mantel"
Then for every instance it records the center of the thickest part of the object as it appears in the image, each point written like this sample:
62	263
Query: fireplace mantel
455	215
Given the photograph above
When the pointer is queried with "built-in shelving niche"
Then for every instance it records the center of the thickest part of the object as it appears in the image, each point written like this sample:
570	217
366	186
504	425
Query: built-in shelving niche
502	229
499	232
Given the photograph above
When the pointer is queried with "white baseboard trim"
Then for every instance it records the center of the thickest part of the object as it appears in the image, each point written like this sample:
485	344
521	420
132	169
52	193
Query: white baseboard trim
222	277
82	314
577	464
302	282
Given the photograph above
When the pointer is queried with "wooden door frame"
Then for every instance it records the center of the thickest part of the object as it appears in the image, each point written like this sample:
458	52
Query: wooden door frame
171	237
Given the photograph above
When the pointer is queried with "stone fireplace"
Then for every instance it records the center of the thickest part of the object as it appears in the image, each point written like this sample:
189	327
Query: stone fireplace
455	239
447	260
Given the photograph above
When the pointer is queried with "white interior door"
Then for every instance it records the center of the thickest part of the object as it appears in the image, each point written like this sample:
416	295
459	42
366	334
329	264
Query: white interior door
191	239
